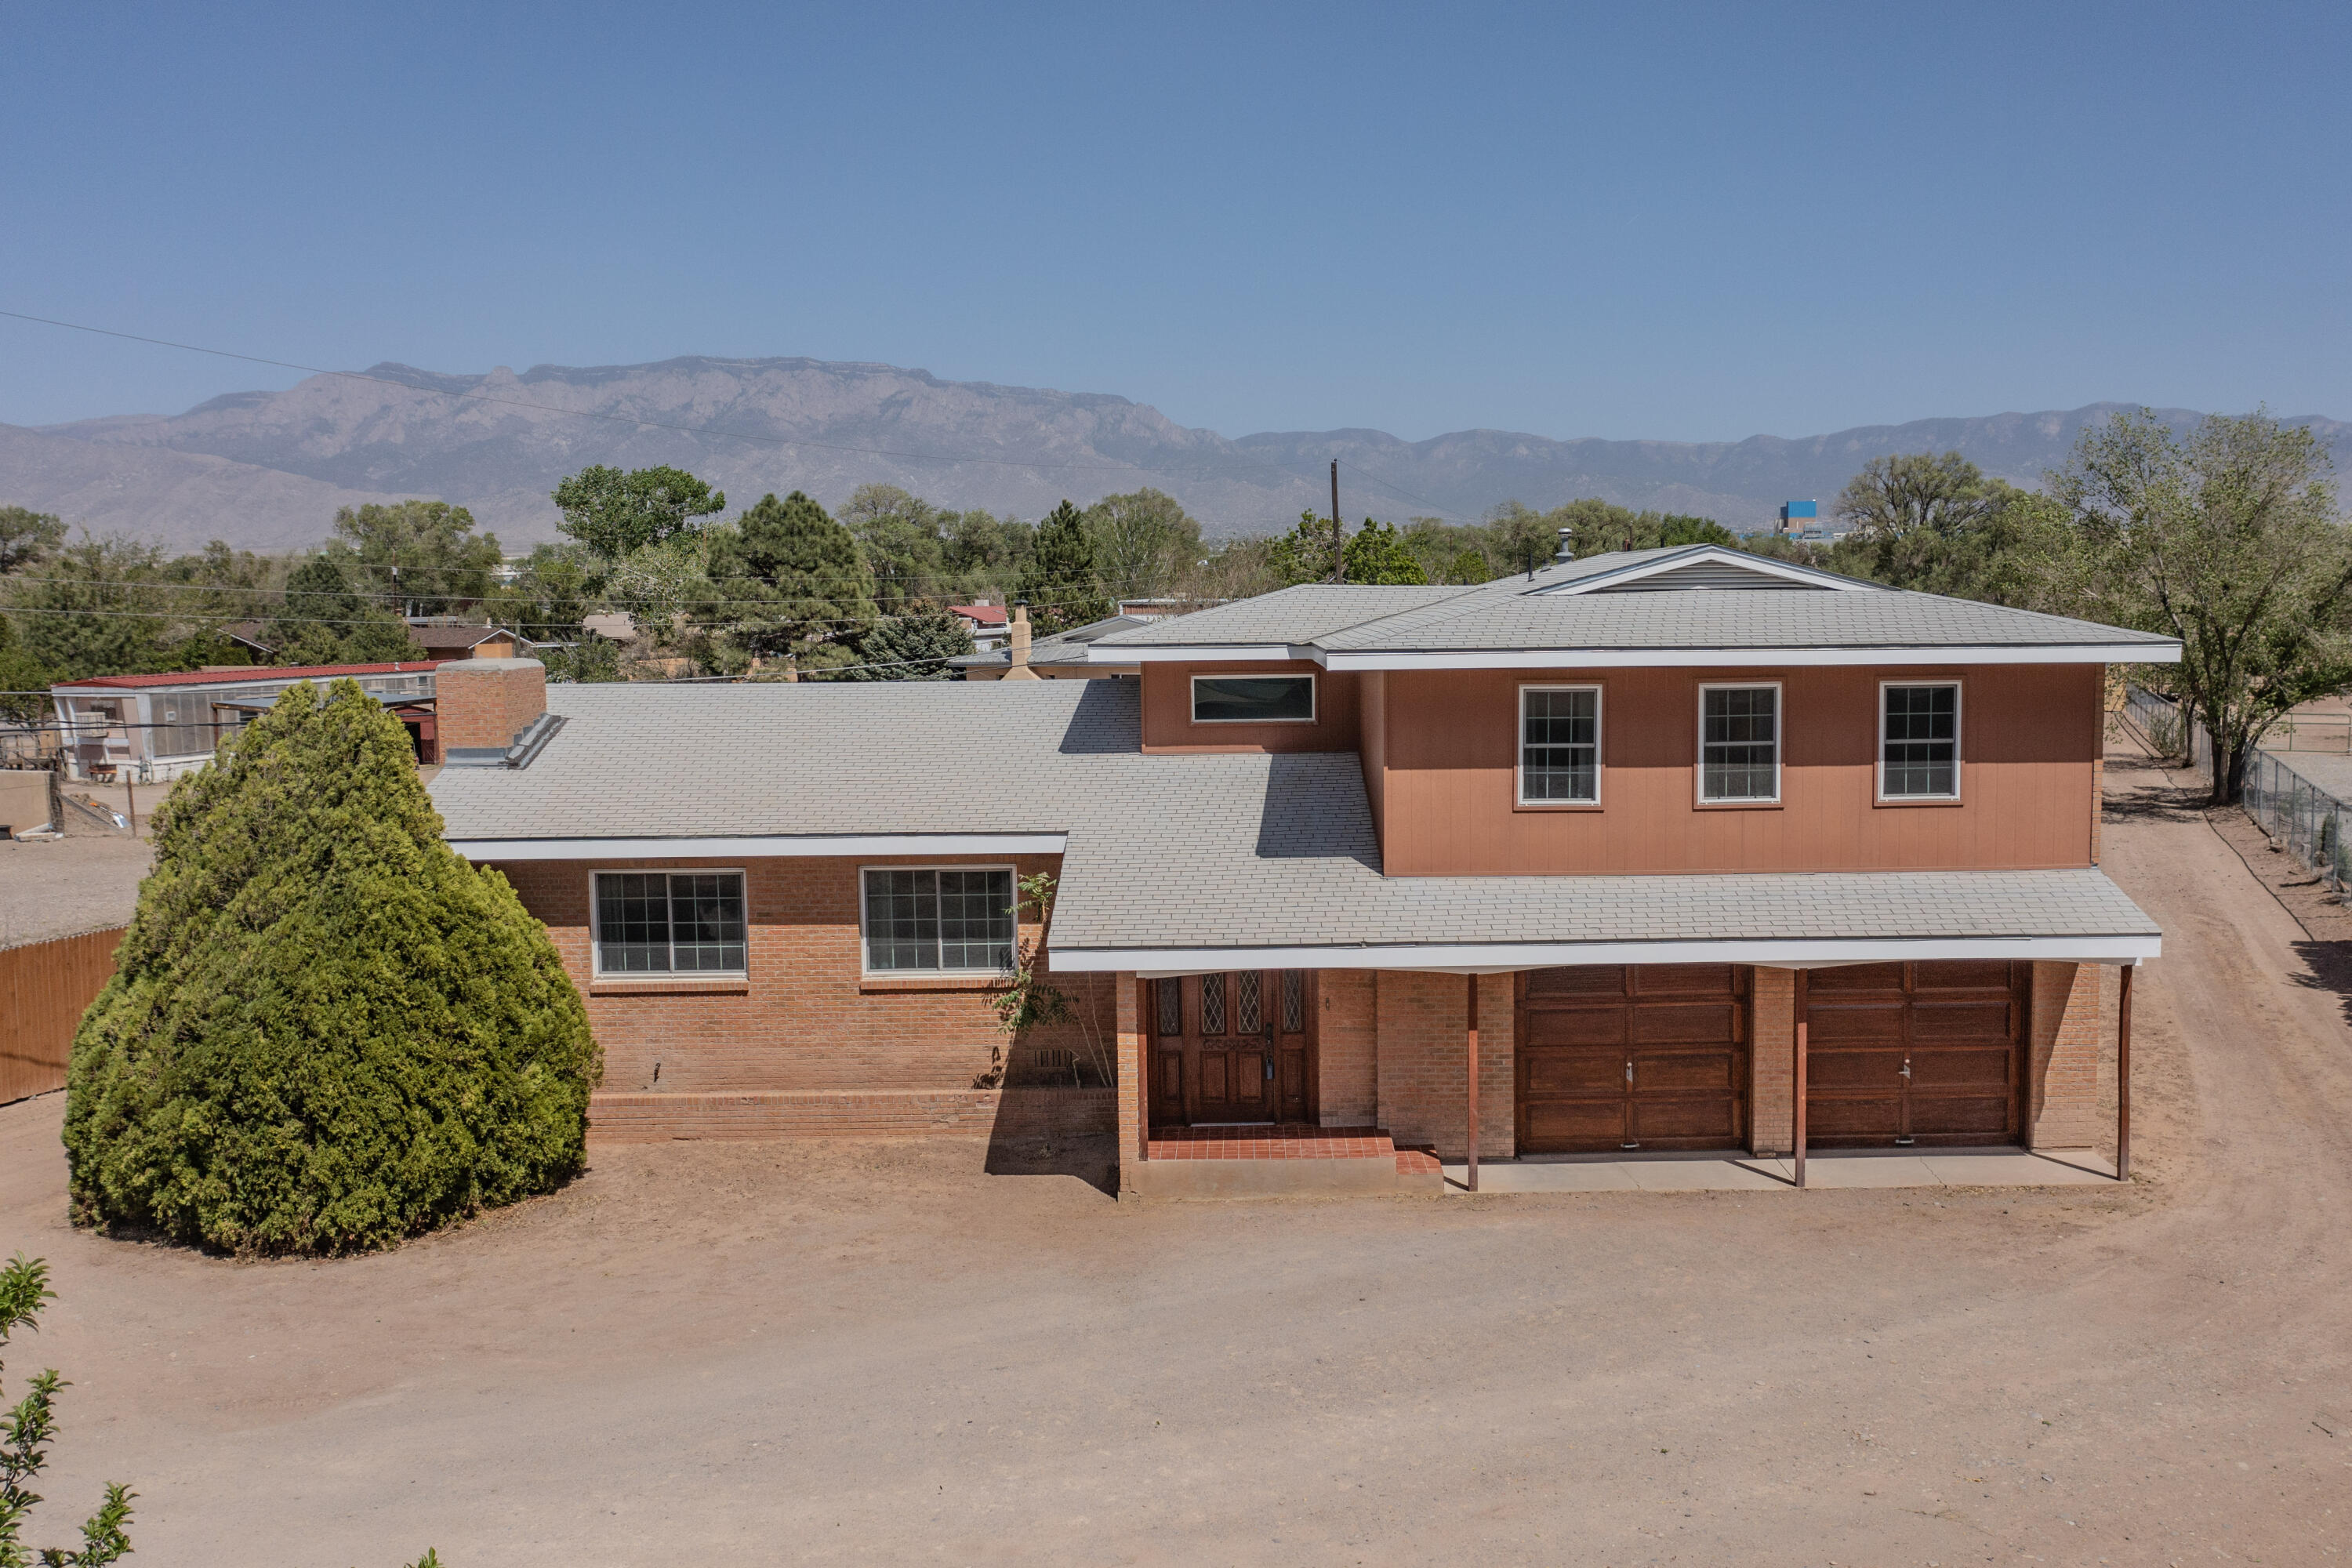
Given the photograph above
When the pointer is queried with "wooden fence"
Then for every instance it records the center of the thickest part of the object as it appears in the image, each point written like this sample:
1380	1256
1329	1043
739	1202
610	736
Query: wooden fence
45	988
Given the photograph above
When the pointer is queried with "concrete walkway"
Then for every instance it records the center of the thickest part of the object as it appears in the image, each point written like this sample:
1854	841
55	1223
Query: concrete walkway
1743	1172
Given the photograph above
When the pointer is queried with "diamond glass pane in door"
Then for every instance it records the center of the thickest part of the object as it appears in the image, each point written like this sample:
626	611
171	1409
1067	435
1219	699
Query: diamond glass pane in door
1248	1002
1171	997
1294	1002
1212	1004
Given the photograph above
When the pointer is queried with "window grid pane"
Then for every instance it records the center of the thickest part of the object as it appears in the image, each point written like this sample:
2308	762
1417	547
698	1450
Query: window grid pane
902	920
1922	740
1212	1004
1740	743
633	922
1559	756
975	919
706	920
1248	1002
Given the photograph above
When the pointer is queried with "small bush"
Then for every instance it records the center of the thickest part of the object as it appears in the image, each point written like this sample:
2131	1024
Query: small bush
326	1030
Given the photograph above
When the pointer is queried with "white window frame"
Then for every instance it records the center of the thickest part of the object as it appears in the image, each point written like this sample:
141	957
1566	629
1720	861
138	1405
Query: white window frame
1314	695
1779	742
1600	742
1960	733
865	954
596	924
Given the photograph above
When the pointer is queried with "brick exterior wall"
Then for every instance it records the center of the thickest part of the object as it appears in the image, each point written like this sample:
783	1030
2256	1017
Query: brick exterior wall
805	1042
486	701
1347	1048
1771	1063
2070	1061
1422	1071
1019	1112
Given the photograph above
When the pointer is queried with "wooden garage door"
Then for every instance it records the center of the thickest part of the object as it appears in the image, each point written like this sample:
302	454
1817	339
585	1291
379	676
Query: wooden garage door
1928	1054
1632	1057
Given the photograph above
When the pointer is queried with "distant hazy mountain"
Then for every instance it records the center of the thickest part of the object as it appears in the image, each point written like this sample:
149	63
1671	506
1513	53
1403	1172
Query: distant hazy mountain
266	469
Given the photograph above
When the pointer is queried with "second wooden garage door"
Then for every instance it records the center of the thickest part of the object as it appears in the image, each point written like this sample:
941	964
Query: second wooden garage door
1616	1057
1927	1054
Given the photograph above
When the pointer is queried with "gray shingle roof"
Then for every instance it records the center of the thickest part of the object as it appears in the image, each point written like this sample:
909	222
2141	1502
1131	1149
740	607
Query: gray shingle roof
1216	851
1523	614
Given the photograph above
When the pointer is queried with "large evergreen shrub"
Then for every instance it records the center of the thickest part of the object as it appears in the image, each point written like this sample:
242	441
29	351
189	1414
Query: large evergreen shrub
326	1031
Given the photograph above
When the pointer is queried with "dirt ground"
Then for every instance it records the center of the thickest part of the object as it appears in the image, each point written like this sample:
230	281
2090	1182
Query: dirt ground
865	1352
85	881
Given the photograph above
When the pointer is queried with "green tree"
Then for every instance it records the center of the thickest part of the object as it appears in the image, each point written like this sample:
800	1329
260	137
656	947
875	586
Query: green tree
27	538
99	607
1144	543
326	1031
1913	492
418	557
590	661
26	1432
1060	583
2228	541
788	580
899	536
614	513
1304	554
912	647
553	591
1470	568
325	621
21	672
1375	554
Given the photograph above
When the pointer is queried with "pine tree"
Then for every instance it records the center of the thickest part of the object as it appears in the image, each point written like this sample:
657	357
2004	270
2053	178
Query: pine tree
787	577
1059	583
1375	554
327	622
326	1031
912	647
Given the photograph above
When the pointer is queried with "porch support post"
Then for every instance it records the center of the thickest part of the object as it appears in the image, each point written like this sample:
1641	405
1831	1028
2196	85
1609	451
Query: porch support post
2123	1076
1134	1104
1798	1074
1472	1039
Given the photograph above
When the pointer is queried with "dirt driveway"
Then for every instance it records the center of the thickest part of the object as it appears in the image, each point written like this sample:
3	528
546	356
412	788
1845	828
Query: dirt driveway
874	1352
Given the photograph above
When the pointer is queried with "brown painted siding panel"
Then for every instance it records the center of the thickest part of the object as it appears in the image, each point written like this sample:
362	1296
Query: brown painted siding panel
45	988
2030	743
1168	712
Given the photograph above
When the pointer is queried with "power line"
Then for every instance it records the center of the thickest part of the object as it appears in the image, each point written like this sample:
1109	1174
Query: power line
704	430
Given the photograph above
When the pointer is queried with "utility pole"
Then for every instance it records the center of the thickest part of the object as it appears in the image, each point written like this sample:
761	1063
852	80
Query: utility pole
1338	534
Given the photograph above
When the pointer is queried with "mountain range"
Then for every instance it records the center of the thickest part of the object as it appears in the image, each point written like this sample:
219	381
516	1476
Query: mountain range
265	470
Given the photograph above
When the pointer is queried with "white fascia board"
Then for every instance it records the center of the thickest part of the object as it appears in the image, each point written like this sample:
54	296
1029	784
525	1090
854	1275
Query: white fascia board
1757	657
481	849
1161	653
1490	958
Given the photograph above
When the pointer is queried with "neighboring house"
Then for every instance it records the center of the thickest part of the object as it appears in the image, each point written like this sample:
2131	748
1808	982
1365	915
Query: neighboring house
1624	822
1061	657
613	625
247	635
987	623
151	727
450	639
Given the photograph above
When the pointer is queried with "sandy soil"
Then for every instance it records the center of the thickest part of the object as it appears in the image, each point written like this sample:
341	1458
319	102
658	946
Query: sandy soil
850	1354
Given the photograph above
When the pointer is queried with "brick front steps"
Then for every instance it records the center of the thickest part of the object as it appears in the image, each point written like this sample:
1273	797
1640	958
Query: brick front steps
1280	1160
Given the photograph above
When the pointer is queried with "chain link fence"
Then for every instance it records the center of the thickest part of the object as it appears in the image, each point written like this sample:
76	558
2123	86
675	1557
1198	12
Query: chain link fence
2296	812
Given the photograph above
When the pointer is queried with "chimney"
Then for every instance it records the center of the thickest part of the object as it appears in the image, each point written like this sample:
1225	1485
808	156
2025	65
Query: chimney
491	712
1020	639
1567	550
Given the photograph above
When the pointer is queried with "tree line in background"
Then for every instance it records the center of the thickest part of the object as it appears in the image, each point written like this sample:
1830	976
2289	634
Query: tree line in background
2228	539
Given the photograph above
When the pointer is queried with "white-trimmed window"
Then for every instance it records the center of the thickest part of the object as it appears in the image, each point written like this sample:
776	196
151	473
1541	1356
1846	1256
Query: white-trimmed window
937	919
669	922
1559	745
1739	744
1919	739
1252	700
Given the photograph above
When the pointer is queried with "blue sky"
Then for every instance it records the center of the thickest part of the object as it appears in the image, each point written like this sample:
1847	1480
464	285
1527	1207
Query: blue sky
1674	222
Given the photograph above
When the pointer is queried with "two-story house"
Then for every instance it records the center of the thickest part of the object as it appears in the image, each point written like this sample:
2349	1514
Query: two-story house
1601	837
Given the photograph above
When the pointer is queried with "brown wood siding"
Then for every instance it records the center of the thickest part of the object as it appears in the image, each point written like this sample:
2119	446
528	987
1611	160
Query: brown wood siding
45	988
1168	712
2029	748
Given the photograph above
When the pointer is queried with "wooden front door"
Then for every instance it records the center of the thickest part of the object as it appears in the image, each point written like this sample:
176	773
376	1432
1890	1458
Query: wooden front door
1930	1054
1235	1047
1618	1056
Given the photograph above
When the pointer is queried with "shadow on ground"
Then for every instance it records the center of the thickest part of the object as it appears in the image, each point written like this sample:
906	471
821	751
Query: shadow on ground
1089	1158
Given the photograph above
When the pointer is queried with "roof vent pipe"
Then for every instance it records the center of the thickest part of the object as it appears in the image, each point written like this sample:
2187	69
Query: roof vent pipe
1567	550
